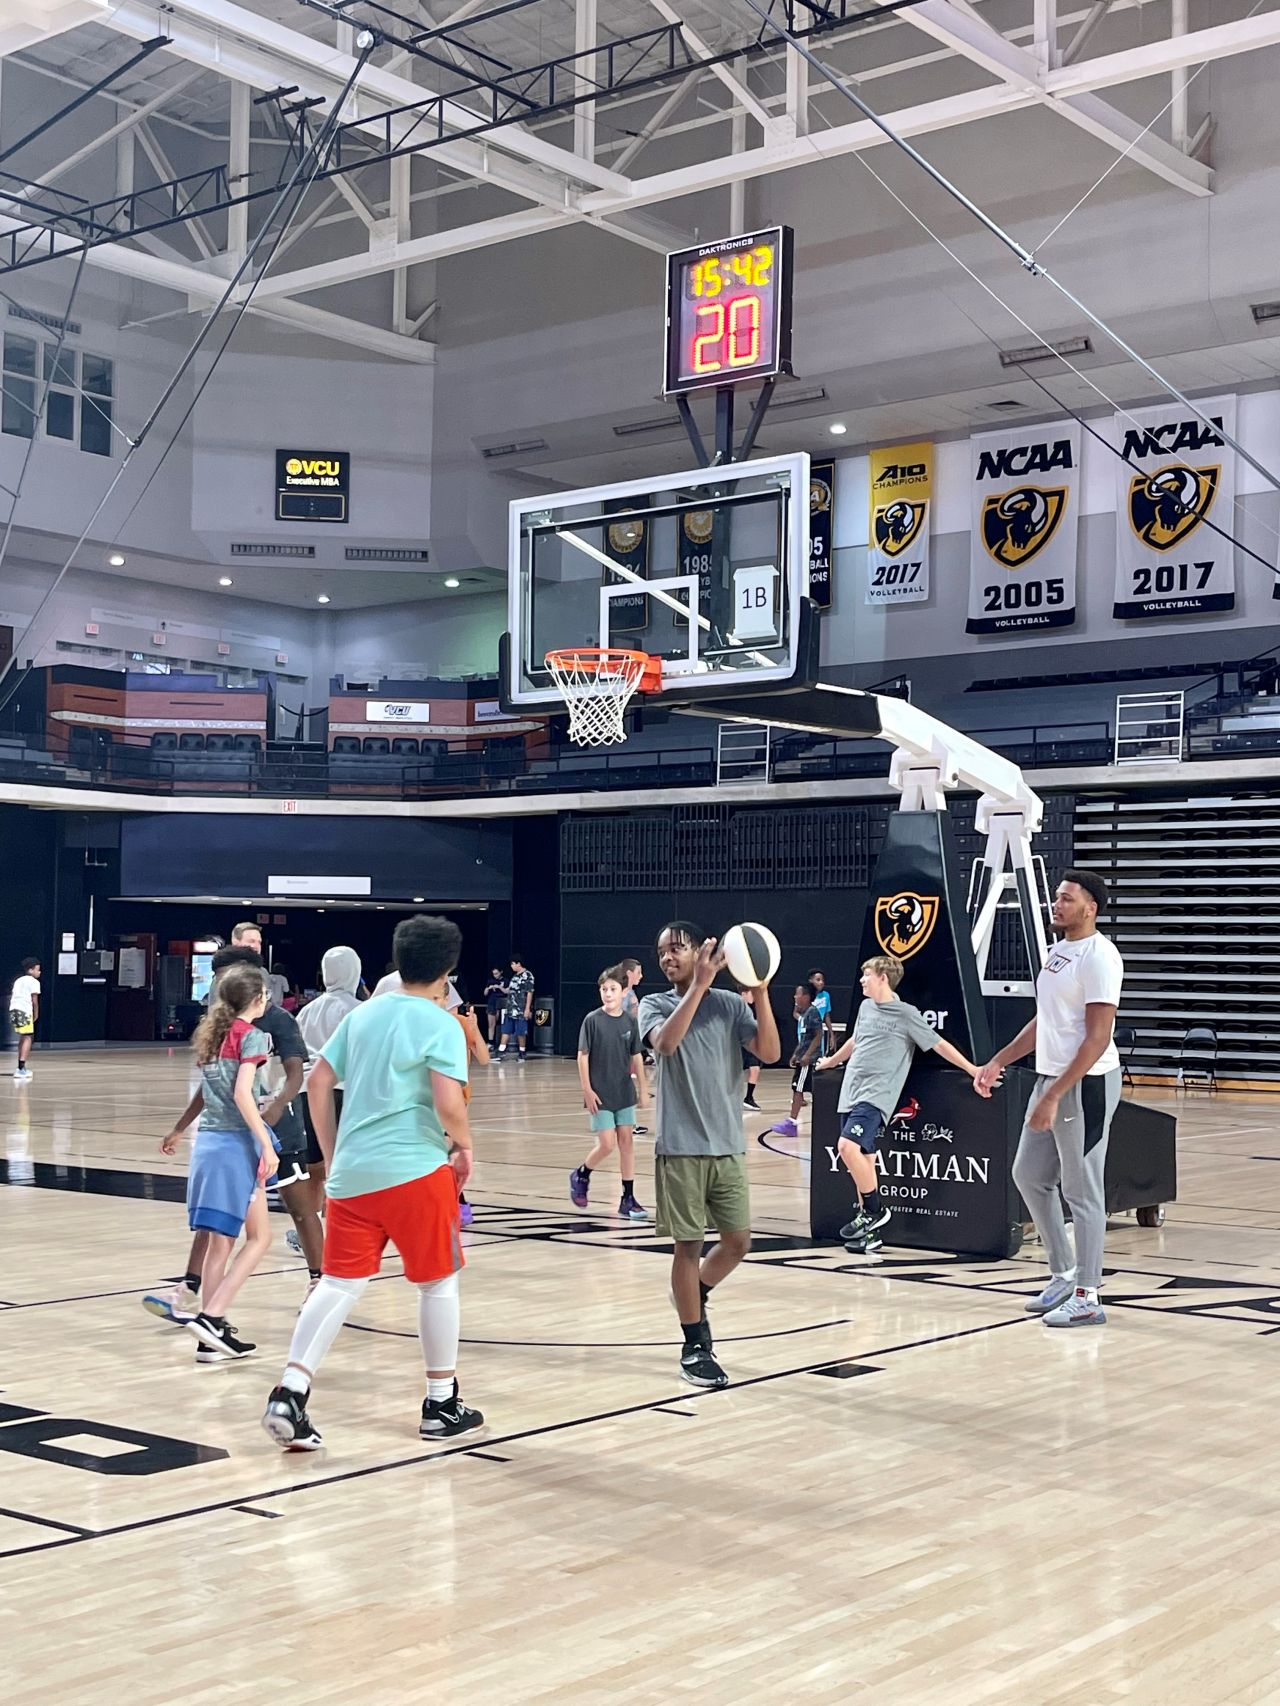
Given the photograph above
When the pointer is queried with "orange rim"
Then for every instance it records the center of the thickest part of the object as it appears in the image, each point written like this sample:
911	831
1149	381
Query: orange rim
594	658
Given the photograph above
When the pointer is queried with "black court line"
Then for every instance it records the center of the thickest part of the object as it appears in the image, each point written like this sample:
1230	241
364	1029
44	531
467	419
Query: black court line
48	1522
606	1344
666	1410
488	1456
547	1428
248	1510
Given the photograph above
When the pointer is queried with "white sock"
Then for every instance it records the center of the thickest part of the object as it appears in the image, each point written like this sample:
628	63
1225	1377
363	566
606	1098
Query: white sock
439	1391
319	1323
1069	1278
1090	1293
439	1324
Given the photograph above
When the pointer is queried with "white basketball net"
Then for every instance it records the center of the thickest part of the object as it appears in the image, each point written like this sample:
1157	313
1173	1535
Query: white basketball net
596	688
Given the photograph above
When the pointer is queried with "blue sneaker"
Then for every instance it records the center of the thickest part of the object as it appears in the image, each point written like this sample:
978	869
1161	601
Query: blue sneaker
1077	1311
578	1187
1056	1292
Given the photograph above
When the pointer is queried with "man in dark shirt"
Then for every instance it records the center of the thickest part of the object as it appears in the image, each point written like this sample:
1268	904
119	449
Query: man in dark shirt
808	1047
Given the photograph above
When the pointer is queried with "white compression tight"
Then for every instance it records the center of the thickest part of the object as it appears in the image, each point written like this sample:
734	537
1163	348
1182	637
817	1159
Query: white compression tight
322	1316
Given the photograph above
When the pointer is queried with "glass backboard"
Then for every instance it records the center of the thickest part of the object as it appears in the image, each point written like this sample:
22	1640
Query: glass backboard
704	570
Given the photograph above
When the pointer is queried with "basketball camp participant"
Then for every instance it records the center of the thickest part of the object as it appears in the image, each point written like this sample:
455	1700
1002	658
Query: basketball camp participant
696	1033
631	1006
393	1177
24	1010
477	1055
495	992
808	1047
750	1065
1063	1146
340	973
611	1073
235	1155
518	1009
282	1113
886	1034
817	980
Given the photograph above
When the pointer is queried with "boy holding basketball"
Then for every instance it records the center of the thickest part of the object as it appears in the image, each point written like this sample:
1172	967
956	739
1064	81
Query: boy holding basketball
697	1034
886	1035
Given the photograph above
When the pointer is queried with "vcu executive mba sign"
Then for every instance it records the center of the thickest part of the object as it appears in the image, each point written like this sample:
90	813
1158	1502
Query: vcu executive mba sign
313	485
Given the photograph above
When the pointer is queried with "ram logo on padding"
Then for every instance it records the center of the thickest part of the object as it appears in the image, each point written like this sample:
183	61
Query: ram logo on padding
1019	523
904	922
897	524
1166	506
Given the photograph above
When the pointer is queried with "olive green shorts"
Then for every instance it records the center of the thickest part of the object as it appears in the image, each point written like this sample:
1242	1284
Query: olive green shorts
698	1191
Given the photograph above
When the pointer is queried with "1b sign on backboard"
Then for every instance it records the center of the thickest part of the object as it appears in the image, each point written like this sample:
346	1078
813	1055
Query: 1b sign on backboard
705	569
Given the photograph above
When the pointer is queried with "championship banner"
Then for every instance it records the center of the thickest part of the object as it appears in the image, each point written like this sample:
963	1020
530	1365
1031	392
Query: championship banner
696	552
1022	555
627	543
822	504
1178	472
901	489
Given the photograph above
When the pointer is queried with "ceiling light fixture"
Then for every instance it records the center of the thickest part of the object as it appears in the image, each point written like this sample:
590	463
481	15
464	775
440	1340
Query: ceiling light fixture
837	429
1044	352
116	559
452	581
322	598
225	580
419	898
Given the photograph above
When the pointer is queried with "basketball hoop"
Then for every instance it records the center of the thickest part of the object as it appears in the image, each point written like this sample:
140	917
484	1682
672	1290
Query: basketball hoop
597	684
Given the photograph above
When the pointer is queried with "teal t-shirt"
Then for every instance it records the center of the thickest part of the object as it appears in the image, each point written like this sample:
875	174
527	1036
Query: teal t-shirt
384	1052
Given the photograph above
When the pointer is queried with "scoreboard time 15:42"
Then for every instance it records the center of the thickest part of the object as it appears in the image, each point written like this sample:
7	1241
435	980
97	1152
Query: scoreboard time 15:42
729	311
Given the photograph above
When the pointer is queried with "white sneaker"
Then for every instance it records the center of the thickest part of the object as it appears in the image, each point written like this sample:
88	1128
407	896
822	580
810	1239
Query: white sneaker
177	1305
1056	1292
1077	1311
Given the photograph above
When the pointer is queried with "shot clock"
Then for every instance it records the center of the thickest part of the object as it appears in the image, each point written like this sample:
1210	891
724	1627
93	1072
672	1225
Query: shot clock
729	311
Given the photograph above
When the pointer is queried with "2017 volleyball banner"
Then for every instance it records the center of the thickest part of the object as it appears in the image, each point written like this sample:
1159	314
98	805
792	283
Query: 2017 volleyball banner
1022	557
898	524
1177	483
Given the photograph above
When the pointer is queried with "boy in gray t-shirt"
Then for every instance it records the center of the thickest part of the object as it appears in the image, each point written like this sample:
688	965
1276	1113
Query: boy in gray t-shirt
697	1034
886	1035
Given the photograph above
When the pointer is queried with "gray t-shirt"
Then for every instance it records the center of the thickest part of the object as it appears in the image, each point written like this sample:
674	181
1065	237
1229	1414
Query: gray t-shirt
699	1087
609	1043
886	1035
242	1043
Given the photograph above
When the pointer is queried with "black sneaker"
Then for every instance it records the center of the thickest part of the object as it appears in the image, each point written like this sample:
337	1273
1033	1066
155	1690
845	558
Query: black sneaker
219	1335
447	1418
286	1420
855	1227
700	1368
750	1102
866	1244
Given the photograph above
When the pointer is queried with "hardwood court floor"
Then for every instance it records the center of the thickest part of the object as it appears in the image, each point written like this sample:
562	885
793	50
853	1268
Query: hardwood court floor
912	1494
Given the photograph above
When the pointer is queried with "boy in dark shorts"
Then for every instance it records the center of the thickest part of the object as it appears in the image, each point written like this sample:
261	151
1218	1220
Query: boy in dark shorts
808	1019
611	1072
517	1009
696	1033
886	1035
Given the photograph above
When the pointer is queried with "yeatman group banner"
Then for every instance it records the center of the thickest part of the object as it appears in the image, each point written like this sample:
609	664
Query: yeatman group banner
898	525
1022	559
1178	476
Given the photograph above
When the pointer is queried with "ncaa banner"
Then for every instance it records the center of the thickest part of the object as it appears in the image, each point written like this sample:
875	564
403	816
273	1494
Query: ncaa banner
1178	473
1022	556
901	489
627	543
822	509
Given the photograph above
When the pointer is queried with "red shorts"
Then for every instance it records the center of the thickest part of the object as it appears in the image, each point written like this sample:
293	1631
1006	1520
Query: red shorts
420	1218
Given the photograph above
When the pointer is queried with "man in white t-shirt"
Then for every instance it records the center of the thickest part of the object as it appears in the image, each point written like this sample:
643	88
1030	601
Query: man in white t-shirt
24	1010
1064	1138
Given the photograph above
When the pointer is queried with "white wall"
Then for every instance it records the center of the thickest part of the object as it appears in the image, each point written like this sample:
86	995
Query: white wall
438	637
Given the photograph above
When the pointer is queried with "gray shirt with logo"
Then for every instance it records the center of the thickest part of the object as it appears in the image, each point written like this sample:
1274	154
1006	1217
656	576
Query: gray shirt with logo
699	1087
609	1042
886	1035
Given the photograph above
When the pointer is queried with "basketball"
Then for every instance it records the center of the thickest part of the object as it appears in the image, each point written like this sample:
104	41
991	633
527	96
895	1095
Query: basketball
751	953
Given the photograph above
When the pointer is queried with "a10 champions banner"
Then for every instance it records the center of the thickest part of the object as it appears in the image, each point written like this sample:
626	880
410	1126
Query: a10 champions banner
901	492
1178	473
1022	558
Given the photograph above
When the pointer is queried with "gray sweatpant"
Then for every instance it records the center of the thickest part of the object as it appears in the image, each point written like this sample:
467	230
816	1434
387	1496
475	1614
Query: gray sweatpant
1073	1155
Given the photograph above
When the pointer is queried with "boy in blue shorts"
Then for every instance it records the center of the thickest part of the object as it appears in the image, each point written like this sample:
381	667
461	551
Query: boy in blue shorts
886	1035
517	1009
609	1058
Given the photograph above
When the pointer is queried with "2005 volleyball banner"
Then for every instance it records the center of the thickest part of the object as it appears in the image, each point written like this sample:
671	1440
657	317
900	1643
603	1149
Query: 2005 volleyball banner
1176	485
1026	507
898	525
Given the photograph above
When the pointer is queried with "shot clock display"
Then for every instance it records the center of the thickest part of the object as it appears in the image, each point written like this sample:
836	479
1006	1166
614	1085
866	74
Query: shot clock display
729	311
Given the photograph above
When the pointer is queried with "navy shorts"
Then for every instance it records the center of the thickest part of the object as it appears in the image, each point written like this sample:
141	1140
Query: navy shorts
862	1125
515	1027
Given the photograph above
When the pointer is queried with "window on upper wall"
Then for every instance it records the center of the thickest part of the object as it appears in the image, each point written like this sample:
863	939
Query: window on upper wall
77	391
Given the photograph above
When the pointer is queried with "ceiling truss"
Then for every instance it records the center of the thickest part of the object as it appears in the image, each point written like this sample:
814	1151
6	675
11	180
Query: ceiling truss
486	122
